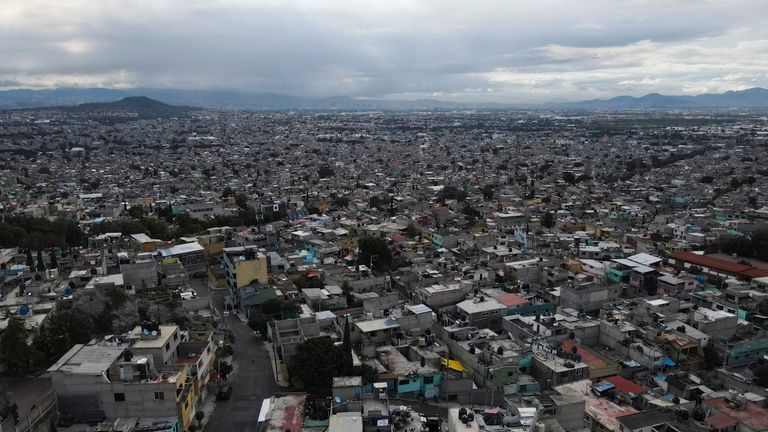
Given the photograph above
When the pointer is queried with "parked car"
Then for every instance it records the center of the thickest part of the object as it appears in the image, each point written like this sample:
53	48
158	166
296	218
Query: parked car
224	392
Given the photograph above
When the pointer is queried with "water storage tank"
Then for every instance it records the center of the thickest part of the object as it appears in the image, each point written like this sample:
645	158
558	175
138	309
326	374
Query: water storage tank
540	427
23	310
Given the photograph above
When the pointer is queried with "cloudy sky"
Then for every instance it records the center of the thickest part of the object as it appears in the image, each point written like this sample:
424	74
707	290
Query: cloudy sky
473	50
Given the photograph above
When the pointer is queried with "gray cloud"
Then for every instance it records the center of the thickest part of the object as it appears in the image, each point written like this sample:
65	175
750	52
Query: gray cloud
494	50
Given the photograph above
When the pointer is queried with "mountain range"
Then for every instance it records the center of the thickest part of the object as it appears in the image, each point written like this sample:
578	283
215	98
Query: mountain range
754	98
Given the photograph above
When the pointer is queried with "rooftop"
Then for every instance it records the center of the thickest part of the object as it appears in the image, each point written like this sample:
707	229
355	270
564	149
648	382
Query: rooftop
751	415
181	249
511	300
376	325
475	306
87	359
166	331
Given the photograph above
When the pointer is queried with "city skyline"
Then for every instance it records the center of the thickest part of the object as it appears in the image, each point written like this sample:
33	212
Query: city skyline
453	51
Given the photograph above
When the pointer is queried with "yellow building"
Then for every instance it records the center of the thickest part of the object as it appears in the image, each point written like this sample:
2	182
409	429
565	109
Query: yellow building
187	390
244	265
213	244
347	243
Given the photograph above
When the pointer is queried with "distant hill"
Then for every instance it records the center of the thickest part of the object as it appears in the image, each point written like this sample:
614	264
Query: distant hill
218	99
754	98
751	98
141	106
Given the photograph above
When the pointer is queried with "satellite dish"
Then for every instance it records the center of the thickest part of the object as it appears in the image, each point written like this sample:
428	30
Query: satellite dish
146	332
337	399
154	332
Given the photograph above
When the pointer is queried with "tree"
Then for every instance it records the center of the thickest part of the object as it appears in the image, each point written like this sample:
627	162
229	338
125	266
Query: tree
62	330
257	321
569	177
548	221
227	192
40	261
199	416
413	230
346	347
16	356
471	213
39	233
711	357
374	251
30	260
368	374
277	307
54	262
341	201
241	200
224	369
695	270
755	245
451	192
376	202
136	212
325	171
315	363
305	281
346	288
487	192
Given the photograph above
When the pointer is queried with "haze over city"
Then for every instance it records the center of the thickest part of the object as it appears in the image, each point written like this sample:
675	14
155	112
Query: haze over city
491	51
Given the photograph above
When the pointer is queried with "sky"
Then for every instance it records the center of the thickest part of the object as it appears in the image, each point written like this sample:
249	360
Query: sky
508	51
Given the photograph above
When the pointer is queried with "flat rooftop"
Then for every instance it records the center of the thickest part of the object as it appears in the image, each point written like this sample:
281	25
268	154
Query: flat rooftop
376	325
181	249
166	331
487	305
87	359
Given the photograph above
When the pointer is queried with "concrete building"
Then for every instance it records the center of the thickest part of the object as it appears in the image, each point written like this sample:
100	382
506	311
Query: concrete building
374	333
587	296
190	255
140	273
161	342
439	295
717	324
288	334
552	370
95	382
482	312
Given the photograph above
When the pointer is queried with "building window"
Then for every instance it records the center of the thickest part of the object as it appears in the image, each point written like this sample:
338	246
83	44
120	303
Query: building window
175	336
429	379
167	346
159	395
404	382
119	397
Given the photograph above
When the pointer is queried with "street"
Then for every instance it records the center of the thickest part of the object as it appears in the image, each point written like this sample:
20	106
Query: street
252	381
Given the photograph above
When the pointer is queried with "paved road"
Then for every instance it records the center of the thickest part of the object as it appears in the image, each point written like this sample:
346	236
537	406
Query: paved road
252	381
